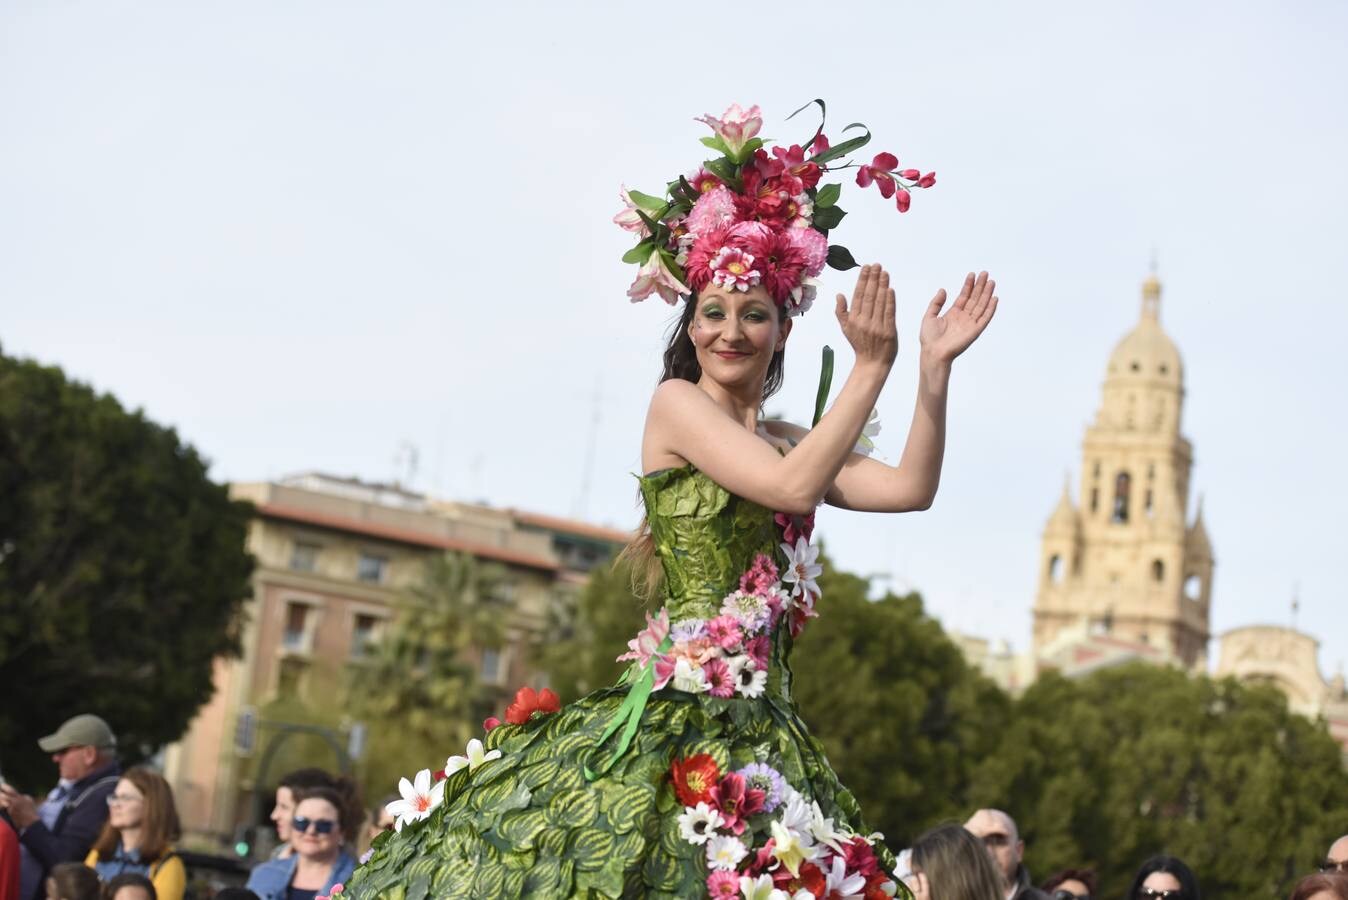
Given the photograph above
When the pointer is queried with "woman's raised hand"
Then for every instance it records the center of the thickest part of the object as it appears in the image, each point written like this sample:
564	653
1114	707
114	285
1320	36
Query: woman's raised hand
947	336
868	324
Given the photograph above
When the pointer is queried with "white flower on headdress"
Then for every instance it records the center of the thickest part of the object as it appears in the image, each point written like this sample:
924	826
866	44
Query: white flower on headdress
839	884
725	851
802	297
690	678
824	832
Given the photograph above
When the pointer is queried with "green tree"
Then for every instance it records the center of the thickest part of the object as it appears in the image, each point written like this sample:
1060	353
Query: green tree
1137	760
418	691
903	717
588	630
123	570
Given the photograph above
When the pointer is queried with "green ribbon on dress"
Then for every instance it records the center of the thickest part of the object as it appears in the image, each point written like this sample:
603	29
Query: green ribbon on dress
628	716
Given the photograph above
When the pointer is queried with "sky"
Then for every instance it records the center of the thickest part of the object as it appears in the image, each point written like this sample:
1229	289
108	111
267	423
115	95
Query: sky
311	235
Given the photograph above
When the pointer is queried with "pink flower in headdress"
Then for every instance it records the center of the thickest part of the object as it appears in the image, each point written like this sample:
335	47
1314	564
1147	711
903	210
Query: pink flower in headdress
735	128
798	174
904	199
734	269
724	631
881	172
655	277
714	209
703	181
628	219
782	264
819	144
700	255
813	246
927	180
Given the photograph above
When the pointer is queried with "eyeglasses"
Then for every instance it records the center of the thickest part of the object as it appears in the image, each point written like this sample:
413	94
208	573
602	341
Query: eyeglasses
1061	894
996	839
119	799
321	826
1330	865
1147	893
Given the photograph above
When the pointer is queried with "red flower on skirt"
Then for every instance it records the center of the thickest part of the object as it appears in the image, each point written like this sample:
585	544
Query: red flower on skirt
527	702
694	777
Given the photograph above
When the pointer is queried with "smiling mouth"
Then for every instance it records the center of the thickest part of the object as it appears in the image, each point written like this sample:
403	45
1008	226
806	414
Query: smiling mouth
730	354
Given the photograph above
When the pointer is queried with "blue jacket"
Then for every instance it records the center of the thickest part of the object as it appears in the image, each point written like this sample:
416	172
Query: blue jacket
271	879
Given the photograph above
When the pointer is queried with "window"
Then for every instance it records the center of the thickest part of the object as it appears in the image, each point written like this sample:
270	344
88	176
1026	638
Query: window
1193	588
371	568
295	637
304	556
1122	487
1095	472
364	633
1157	571
1095	499
1146	501
1055	568
1135	366
491	666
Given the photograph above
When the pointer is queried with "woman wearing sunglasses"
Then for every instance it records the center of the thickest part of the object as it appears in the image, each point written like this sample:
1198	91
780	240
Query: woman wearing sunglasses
1070	884
1164	878
320	859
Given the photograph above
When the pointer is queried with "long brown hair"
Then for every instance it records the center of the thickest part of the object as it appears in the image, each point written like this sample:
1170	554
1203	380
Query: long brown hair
956	865
680	361
1334	882
158	826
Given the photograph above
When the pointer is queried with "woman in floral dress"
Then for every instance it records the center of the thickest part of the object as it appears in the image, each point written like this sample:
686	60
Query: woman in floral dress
694	775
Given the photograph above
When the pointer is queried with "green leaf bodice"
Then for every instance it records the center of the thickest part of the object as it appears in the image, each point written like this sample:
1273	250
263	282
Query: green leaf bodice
544	821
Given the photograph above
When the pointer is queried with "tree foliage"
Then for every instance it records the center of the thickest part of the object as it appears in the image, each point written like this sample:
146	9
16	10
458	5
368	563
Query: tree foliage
123	570
1132	761
903	717
586	635
418	691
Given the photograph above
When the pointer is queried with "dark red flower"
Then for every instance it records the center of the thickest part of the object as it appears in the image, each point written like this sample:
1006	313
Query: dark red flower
860	858
879	171
819	145
694	778
927	180
490	722
528	701
762	860
905	199
874	889
794	527
803	174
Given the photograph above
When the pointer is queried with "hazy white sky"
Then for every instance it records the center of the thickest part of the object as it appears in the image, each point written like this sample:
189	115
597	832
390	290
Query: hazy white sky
307	232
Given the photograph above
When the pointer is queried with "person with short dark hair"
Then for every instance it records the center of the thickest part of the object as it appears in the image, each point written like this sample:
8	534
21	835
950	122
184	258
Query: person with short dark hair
284	807
1070	884
1164	878
138	837
63	827
129	886
1331	885
72	881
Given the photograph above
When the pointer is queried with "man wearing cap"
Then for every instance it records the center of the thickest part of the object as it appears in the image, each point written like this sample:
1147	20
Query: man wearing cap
63	827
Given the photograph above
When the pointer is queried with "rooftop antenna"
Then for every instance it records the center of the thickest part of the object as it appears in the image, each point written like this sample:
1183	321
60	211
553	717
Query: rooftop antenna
1296	602
405	462
581	507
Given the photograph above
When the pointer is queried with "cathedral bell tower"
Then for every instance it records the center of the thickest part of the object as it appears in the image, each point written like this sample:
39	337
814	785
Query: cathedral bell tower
1125	562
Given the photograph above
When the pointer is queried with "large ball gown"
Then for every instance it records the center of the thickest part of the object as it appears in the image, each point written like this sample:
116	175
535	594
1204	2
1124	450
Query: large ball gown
694	776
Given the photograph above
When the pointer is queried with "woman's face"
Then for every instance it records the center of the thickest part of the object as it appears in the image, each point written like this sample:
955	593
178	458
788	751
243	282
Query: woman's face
282	811
1162	881
917	883
736	333
316	829
126	805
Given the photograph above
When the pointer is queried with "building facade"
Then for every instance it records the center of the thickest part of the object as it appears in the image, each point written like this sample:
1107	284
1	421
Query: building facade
1126	563
333	556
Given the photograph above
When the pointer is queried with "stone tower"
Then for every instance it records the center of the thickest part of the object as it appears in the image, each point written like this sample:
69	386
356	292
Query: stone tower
1126	564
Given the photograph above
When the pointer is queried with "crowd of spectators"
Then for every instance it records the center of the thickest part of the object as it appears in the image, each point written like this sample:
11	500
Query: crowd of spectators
107	834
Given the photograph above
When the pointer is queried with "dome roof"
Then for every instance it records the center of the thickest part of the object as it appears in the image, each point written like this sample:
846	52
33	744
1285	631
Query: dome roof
1147	353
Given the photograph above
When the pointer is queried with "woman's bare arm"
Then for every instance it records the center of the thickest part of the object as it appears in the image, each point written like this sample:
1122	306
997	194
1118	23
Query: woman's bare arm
685	422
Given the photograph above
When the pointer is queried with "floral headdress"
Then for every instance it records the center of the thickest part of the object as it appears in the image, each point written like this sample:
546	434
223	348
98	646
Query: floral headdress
752	218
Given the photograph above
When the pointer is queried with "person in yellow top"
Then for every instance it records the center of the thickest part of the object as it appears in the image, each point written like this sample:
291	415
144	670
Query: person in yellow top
138	837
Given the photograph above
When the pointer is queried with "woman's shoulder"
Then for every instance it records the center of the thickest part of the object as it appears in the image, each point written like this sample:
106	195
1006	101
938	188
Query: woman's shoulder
268	874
